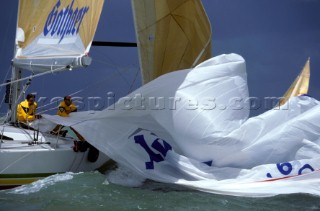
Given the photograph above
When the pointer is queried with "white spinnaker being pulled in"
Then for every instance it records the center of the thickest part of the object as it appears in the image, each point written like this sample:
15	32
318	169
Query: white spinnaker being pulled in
191	127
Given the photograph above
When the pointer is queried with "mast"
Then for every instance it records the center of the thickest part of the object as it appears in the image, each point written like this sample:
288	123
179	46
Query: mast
14	95
14	86
51	36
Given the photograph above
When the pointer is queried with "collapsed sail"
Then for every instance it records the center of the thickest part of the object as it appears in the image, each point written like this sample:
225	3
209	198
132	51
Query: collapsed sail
55	34
171	35
300	86
191	128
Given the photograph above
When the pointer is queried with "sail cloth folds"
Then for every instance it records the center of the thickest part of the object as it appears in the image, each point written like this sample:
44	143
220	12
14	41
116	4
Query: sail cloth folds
171	35
191	127
55	34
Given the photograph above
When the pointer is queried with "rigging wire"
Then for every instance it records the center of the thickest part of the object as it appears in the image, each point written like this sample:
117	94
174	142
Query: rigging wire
112	65
33	76
134	80
120	71
5	78
3	98
96	84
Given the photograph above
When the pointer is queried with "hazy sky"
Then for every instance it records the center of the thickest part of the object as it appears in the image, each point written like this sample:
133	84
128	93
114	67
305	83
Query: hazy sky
275	37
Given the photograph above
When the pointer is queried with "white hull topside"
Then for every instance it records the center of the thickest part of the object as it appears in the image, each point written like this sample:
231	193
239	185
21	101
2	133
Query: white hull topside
49	155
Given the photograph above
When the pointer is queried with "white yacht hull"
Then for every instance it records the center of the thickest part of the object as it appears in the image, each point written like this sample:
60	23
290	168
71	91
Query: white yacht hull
24	160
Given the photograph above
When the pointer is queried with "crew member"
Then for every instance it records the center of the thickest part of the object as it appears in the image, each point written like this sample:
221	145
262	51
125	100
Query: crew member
26	110
66	107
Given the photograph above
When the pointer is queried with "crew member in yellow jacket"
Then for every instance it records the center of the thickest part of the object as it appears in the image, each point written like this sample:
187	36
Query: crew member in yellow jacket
66	107
26	110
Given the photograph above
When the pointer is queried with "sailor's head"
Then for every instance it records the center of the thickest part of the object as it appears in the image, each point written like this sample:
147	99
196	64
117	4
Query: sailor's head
30	98
67	100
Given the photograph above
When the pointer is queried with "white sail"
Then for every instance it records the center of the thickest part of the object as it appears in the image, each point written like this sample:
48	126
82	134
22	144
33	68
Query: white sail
55	34
191	128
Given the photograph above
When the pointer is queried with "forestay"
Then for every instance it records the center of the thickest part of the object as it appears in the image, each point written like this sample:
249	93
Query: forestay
191	127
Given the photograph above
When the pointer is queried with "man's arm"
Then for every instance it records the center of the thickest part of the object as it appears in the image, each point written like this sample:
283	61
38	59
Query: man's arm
73	108
21	114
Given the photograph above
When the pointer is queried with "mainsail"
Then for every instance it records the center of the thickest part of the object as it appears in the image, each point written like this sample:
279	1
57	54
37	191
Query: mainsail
299	86
55	34
171	35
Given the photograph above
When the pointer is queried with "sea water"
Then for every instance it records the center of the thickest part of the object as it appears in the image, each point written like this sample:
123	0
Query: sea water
123	190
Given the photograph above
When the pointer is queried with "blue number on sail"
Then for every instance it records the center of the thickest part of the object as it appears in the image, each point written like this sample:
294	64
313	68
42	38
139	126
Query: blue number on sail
306	166
154	157
286	169
283	168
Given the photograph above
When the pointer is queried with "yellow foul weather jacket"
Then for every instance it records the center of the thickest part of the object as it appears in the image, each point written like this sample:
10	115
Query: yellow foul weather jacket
65	110
26	113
